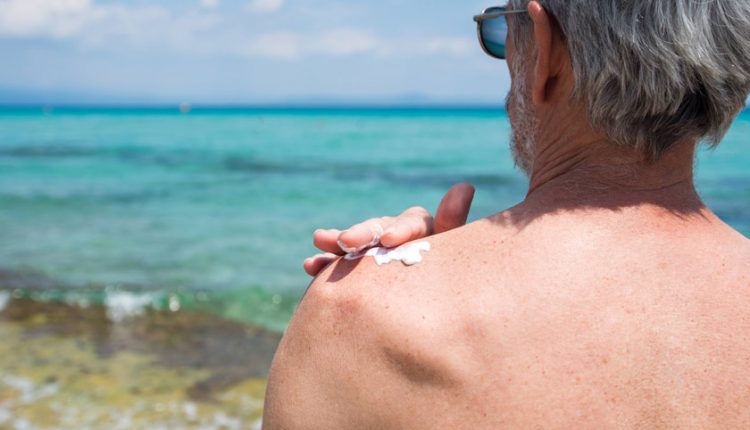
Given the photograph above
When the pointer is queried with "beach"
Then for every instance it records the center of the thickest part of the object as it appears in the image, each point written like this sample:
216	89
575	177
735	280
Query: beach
150	259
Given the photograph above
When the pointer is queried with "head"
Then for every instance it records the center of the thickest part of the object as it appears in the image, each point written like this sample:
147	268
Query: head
648	75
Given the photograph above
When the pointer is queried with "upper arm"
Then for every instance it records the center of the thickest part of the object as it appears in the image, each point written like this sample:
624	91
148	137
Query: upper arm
319	378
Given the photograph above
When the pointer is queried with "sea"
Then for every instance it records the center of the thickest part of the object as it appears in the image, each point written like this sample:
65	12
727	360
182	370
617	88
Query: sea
213	210
151	258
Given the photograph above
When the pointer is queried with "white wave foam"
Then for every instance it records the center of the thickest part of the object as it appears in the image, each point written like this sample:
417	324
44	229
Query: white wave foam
4	299
121	305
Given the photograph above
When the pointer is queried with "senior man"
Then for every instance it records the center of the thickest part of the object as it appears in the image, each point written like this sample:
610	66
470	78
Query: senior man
611	297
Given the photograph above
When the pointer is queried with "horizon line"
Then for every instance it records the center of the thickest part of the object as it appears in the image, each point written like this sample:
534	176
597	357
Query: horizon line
190	107
240	106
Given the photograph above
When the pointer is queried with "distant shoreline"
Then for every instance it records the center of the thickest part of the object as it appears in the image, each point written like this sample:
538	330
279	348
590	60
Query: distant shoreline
271	110
249	107
182	109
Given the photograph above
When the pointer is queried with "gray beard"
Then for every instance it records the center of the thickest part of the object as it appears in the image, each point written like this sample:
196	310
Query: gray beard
523	121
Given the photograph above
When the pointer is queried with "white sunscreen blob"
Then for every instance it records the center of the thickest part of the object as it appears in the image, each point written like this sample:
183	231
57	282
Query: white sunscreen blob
409	254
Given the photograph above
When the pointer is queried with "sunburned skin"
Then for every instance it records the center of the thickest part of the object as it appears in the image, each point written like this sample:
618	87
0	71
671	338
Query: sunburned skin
409	254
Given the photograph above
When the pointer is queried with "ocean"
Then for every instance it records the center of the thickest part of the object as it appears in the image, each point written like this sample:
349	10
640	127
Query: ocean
151	259
214	210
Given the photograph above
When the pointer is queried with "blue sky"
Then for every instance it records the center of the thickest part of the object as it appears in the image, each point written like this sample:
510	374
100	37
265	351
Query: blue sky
245	52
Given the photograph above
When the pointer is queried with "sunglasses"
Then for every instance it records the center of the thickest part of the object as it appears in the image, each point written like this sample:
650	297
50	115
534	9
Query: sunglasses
492	29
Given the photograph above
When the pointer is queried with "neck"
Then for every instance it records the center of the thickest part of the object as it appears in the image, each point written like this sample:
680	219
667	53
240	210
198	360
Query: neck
603	175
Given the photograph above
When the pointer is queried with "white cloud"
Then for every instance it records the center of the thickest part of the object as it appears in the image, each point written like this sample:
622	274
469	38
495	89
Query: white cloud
56	18
275	45
266	6
345	41
210	4
111	26
290	46
61	19
456	46
92	24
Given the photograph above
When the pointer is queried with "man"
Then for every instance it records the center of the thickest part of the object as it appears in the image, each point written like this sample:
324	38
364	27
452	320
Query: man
611	297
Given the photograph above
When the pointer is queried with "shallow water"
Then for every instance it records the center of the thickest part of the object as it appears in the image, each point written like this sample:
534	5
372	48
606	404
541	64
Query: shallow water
71	366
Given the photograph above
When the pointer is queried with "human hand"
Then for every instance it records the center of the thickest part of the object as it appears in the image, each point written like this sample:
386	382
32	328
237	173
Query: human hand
390	232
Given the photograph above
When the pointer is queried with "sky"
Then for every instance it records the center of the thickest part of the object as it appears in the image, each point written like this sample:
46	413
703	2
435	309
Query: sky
246	52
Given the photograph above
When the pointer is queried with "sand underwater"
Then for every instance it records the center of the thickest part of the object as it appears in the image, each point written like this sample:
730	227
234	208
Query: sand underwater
68	365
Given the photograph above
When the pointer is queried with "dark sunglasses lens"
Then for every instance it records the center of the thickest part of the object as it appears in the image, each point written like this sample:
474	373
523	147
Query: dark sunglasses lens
494	32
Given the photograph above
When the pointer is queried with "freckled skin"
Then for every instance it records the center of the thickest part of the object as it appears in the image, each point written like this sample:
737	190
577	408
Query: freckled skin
571	321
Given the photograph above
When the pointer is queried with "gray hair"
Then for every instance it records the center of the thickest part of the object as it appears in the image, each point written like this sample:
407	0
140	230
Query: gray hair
654	73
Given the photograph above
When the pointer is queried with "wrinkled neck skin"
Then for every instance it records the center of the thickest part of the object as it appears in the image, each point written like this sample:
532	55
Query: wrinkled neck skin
578	167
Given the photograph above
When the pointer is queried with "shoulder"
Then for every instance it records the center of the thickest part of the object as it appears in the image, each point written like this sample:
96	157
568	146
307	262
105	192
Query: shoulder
392	301
377	315
363	337
320	364
394	304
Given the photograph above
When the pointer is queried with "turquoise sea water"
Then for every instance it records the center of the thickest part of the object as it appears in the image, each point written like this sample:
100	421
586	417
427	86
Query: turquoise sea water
214	210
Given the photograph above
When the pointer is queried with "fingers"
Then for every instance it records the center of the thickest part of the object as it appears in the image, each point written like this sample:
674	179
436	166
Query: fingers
364	235
454	208
314	265
414	223
327	241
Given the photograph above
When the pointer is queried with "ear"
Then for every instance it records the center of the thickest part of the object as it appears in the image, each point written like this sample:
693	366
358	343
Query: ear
545	70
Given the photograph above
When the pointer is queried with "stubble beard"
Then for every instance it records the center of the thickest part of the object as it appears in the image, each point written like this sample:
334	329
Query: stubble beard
523	121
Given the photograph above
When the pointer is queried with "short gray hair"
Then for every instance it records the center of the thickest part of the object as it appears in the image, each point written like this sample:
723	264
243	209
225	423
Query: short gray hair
654	73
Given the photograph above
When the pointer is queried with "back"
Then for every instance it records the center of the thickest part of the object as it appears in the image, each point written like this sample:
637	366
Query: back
570	321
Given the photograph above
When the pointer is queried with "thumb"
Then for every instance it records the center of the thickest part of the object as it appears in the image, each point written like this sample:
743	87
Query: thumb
454	208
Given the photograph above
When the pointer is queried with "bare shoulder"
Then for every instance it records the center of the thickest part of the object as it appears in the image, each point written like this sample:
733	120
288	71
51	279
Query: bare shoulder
320	375
364	337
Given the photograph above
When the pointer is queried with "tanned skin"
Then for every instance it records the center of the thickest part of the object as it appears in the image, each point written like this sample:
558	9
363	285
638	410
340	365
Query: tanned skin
611	297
